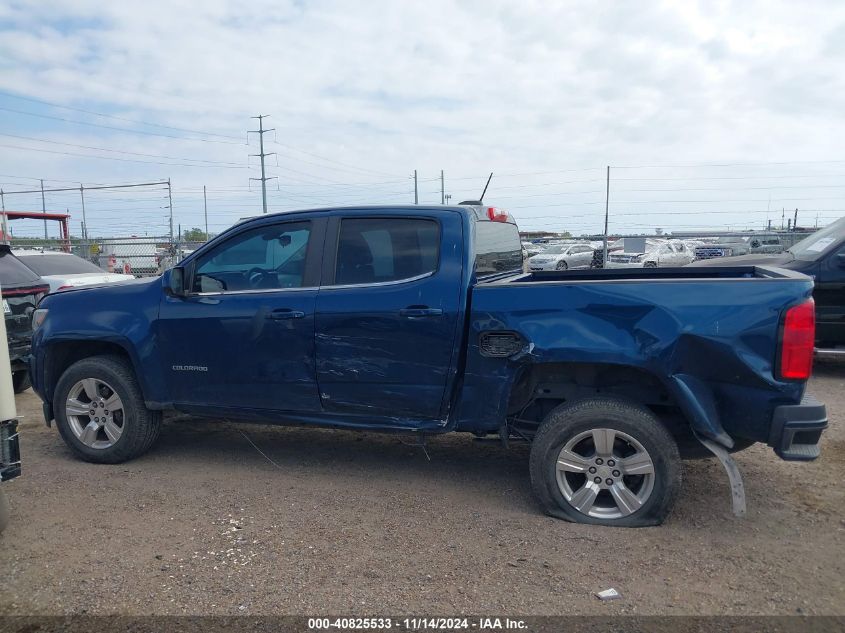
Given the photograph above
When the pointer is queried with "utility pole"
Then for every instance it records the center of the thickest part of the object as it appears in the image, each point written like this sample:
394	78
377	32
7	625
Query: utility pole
6	222
606	214
205	210
795	221
261	132
416	190
442	189
170	206
43	208
448	197
782	217
84	222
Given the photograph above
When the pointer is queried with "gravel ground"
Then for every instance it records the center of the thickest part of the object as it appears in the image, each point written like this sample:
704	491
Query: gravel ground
347	523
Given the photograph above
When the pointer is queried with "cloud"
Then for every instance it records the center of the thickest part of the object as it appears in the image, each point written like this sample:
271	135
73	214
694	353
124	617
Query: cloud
383	88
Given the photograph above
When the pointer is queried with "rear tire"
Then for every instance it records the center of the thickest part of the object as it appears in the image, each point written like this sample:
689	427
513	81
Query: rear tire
21	381
130	429
605	461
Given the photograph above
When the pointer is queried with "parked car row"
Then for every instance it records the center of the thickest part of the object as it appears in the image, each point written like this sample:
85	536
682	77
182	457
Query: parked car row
25	277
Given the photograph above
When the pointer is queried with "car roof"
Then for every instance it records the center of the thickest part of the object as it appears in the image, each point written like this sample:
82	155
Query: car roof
29	252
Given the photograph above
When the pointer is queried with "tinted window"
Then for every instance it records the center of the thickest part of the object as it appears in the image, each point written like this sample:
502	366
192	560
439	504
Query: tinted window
497	247
13	272
375	250
54	264
264	258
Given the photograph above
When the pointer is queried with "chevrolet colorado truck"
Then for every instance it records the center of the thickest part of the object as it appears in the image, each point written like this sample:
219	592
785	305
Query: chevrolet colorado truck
421	320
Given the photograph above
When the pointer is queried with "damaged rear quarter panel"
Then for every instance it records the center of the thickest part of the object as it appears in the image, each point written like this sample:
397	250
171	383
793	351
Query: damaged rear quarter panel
711	343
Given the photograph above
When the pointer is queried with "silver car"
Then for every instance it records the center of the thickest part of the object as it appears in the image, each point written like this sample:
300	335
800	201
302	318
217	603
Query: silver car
562	257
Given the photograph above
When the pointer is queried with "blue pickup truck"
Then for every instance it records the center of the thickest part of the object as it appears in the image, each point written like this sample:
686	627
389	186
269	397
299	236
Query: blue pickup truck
420	319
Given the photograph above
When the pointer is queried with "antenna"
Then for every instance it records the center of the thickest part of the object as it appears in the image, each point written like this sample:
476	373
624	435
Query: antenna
481	199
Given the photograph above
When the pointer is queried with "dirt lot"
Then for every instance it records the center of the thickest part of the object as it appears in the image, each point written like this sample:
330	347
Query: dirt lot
349	523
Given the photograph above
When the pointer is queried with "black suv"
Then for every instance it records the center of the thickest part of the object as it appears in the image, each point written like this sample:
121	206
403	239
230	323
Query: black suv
22	289
821	255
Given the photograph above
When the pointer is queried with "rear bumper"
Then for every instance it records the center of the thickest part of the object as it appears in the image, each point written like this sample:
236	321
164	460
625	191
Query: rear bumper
796	430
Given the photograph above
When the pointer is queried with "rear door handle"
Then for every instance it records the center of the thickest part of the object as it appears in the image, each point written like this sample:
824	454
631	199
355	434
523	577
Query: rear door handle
279	315
416	312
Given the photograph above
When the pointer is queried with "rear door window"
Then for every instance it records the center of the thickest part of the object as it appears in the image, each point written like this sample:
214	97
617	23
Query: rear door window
379	250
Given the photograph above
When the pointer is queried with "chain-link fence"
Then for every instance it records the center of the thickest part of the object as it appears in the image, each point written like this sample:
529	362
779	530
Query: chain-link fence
139	256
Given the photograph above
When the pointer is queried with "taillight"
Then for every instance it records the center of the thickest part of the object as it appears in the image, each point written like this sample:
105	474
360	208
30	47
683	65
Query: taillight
799	333
497	215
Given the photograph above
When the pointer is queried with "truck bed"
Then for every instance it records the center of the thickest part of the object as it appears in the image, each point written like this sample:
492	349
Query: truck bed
653	274
710	331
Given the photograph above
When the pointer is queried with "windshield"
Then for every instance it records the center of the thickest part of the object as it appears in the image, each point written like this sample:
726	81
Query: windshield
59	264
813	246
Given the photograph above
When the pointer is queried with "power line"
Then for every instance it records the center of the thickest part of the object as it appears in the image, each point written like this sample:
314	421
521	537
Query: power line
119	129
123	160
119	151
331	160
118	118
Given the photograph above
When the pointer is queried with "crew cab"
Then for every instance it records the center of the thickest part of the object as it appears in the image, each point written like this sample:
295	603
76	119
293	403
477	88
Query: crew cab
420	320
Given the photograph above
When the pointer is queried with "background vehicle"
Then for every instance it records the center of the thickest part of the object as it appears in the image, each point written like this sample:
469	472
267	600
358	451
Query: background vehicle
22	289
132	255
562	257
767	243
530	249
821	255
10	457
728	246
419	319
655	253
63	270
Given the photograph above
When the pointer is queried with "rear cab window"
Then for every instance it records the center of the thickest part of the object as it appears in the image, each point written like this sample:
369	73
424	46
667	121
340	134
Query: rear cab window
497	247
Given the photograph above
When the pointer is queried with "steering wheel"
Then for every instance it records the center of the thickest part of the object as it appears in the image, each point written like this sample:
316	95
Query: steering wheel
256	277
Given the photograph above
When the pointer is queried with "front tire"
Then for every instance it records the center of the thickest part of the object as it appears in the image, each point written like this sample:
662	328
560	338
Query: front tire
605	461
21	381
562	265
100	411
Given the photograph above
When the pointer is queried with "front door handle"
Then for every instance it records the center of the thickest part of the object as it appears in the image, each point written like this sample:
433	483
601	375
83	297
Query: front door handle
279	315
416	312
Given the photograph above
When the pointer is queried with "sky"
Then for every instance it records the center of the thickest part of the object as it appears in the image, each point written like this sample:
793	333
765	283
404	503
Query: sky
710	115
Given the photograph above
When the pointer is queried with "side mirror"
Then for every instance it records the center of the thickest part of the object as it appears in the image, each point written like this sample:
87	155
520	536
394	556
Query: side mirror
176	283
840	259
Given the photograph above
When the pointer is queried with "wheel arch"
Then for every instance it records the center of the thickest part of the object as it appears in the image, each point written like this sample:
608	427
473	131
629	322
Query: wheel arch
63	353
682	403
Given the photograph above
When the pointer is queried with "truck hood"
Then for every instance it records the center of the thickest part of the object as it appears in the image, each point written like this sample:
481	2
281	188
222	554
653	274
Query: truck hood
105	289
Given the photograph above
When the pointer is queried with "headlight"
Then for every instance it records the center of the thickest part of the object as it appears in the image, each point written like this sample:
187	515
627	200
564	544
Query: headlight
38	317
